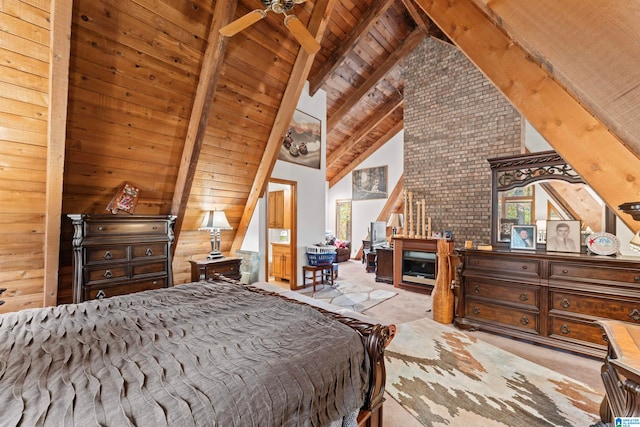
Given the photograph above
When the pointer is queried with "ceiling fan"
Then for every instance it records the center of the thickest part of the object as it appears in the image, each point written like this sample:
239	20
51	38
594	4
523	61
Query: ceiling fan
304	37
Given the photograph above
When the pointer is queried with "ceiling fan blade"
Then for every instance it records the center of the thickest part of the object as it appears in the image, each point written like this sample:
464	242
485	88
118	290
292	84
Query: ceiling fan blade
243	22
300	32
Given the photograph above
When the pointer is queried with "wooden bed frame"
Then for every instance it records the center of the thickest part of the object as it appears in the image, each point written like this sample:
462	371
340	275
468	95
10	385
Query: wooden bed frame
375	339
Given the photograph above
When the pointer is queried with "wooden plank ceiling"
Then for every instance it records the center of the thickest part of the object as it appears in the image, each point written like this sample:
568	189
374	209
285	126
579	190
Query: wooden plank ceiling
159	99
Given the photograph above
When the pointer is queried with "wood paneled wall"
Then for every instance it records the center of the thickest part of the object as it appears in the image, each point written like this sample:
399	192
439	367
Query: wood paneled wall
24	87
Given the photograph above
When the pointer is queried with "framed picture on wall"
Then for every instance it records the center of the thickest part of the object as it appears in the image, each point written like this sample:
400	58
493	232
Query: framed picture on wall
370	183
523	237
563	236
303	142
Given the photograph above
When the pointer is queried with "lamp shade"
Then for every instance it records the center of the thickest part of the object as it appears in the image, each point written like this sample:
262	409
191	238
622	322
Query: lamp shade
396	220
215	220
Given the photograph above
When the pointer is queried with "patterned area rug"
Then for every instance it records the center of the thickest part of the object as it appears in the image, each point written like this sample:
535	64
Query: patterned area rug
354	297
445	377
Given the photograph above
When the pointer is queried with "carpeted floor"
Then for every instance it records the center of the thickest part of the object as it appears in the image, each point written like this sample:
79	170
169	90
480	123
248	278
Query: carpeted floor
356	297
446	377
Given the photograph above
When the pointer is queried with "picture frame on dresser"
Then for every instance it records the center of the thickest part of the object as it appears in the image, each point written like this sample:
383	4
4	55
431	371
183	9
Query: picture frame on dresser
563	236
523	237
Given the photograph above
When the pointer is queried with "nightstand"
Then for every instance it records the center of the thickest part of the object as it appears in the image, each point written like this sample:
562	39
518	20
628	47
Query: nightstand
205	269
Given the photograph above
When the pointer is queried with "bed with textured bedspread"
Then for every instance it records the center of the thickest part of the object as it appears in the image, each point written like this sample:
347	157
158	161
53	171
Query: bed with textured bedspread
209	353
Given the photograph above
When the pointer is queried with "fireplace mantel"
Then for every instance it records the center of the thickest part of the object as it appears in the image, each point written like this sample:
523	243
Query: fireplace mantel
401	248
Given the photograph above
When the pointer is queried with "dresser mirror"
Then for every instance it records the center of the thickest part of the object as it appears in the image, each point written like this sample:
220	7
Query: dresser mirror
530	189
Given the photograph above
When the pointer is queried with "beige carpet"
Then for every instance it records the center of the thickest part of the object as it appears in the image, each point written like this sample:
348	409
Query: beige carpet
344	294
445	377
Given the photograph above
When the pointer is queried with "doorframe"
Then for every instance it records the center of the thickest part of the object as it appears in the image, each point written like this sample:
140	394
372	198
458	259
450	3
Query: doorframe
293	240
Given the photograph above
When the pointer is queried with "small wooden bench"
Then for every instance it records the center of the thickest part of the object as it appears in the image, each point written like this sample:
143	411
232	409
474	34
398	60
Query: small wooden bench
317	274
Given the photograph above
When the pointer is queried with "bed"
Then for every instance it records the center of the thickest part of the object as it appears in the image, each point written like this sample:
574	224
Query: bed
213	353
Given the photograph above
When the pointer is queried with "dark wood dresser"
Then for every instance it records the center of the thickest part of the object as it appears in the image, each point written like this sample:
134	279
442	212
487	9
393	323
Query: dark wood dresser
206	269
548	298
384	265
118	254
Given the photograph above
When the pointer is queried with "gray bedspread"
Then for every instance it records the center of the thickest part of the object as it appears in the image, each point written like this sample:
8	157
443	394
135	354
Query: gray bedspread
193	355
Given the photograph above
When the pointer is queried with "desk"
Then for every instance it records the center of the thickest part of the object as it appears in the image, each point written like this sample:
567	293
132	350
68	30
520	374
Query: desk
310	272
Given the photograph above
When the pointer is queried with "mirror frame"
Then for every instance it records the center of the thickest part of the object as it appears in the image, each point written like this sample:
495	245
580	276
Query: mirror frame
511	172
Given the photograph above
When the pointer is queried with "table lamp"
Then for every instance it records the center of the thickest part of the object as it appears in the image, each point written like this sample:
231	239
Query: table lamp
214	221
396	220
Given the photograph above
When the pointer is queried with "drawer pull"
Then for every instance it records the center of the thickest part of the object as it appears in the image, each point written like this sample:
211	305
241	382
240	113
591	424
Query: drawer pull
524	320
565	303
636	278
2	290
635	314
148	252
155	282
155	227
100	294
475	262
524	297
565	329
476	310
108	255
476	289
107	274
100	228
565	271
524	267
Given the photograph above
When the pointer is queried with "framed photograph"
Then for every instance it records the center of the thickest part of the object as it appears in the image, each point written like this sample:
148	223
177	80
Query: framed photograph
303	141
563	236
523	237
370	183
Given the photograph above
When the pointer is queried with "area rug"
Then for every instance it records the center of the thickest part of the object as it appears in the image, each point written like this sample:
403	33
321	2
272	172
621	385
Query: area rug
446	377
344	294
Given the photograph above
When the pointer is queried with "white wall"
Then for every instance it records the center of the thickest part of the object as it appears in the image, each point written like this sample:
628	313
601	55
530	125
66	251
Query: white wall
310	195
364	211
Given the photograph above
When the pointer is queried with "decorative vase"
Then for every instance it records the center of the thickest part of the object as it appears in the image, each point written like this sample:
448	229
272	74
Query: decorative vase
442	295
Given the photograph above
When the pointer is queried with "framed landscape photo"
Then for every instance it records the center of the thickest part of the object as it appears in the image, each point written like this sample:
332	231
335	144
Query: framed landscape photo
523	237
370	183
303	142
563	236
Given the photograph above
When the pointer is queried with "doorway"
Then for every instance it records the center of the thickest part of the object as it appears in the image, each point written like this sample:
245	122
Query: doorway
282	254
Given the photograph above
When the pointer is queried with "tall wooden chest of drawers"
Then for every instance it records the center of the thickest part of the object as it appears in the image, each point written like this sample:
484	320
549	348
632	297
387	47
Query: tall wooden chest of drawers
117	255
548	298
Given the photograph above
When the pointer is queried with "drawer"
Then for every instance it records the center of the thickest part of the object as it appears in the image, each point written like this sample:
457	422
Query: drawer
576	330
147	250
124	289
616	308
110	273
106	254
513	293
596	273
504	265
225	270
107	228
148	268
503	315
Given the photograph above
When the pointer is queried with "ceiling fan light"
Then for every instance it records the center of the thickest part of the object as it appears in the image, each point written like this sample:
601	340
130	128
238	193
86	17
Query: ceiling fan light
300	32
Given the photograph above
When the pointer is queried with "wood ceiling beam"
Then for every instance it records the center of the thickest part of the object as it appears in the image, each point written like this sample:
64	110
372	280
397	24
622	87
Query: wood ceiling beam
60	41
365	154
602	160
317	25
339	55
392	61
370	124
211	65
424	23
